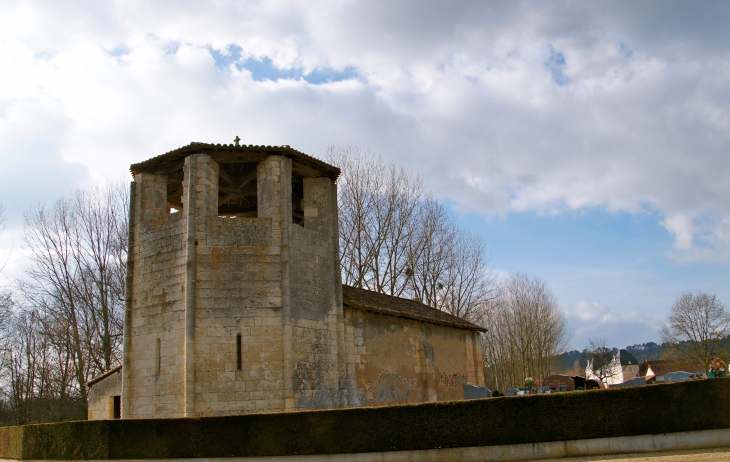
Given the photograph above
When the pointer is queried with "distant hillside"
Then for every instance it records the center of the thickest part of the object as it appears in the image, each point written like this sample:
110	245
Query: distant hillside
566	361
650	350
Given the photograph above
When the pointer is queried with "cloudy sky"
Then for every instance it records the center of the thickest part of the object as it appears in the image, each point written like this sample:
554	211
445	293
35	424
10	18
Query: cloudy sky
588	142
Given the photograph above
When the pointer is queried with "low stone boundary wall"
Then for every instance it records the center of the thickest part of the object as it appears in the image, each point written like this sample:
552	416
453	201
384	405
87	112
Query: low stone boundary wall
660	417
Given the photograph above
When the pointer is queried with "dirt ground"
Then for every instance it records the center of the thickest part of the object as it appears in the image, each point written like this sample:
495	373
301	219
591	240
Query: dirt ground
700	455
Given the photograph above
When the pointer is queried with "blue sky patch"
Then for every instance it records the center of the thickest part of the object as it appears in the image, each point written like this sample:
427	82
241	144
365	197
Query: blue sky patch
171	48
223	59
329	75
589	236
618	260
264	69
627	51
556	65
119	50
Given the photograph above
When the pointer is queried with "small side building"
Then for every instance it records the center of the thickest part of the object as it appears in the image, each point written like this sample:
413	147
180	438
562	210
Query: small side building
105	395
234	302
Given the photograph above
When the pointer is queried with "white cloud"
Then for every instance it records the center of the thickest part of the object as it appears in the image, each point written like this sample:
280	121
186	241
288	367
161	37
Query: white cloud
592	320
502	106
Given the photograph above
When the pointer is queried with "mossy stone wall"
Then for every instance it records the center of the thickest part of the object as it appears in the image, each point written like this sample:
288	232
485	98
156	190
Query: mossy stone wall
668	408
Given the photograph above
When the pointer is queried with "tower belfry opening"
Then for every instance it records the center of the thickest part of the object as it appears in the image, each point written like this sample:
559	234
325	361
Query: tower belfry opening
237	176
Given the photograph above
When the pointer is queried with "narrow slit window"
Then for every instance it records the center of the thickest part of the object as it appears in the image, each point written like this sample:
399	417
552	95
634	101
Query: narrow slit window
157	357
117	407
238	352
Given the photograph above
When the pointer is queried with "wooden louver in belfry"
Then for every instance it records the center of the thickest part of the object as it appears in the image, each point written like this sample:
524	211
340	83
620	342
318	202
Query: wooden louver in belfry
237	185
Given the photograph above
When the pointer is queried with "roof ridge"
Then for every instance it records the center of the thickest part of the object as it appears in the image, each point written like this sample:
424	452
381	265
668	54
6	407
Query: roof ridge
428	313
285	149
103	375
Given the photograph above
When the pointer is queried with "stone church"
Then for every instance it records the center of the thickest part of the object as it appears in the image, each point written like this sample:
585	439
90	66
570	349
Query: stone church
234	302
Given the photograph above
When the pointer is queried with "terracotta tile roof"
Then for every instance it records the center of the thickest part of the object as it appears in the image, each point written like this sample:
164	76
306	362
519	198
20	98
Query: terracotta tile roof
401	307
106	374
222	151
664	366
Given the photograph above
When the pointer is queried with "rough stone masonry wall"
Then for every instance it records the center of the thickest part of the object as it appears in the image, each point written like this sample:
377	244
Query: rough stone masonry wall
239	294
154	326
404	361
316	302
101	397
238	278
314	317
198	281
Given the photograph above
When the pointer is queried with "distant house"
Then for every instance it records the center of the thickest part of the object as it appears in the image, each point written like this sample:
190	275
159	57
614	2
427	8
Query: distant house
655	370
622	368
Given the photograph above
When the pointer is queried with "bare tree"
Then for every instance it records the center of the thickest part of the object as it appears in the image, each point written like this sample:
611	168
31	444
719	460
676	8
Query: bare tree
601	360
7	339
526	331
378	207
102	226
469	286
695	328
5	295
38	383
3	223
75	284
20	361
448	266
397	239
6	303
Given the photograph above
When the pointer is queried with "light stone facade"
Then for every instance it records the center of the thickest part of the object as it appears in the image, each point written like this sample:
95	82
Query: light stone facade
407	361
105	395
622	368
234	313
